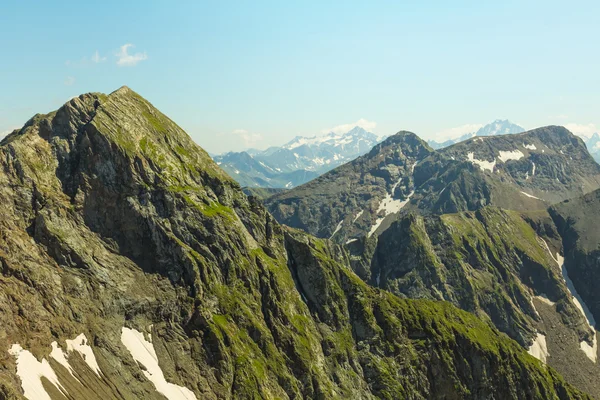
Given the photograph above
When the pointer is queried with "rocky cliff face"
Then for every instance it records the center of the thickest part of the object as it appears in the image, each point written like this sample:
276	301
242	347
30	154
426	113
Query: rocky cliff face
133	267
490	262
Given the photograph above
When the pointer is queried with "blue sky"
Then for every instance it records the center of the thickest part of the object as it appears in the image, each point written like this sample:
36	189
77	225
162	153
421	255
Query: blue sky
240	74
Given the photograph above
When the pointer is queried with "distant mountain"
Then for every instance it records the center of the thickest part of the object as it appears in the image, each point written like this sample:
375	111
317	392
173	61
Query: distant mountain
593	146
498	127
249	172
298	161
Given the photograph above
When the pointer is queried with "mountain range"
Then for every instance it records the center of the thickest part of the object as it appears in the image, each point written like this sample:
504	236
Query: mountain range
298	161
134	267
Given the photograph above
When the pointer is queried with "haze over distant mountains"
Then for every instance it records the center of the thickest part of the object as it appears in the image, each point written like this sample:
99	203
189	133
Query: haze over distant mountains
298	161
498	127
305	158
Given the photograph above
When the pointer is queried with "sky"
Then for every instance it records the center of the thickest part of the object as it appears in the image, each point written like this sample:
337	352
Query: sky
246	74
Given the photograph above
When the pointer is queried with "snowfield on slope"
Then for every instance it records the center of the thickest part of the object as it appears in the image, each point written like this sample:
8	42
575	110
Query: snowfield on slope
143	352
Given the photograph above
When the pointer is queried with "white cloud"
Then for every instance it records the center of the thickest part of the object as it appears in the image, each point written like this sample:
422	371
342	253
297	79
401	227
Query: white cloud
96	58
583	130
363	123
456	132
124	59
69	81
250	139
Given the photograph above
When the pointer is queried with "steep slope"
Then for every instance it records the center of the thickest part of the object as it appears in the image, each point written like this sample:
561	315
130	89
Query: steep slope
133	267
496	264
577	221
526	171
350	199
497	127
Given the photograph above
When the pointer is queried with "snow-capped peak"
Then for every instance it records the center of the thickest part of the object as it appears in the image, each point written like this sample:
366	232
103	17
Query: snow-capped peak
331	138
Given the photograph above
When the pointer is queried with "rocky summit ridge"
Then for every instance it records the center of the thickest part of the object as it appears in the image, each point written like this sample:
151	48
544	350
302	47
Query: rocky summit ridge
133	267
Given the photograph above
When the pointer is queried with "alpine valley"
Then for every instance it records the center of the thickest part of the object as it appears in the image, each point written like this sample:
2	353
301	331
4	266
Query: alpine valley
132	266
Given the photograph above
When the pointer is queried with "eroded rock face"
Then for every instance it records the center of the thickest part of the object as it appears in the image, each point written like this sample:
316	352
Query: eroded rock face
120	238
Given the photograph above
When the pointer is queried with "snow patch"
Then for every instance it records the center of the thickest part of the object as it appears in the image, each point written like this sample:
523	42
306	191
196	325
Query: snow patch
531	196
481	163
530	146
533	171
337	228
31	371
143	352
80	345
539	349
351	241
389	205
544	299
358	216
59	356
505	156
